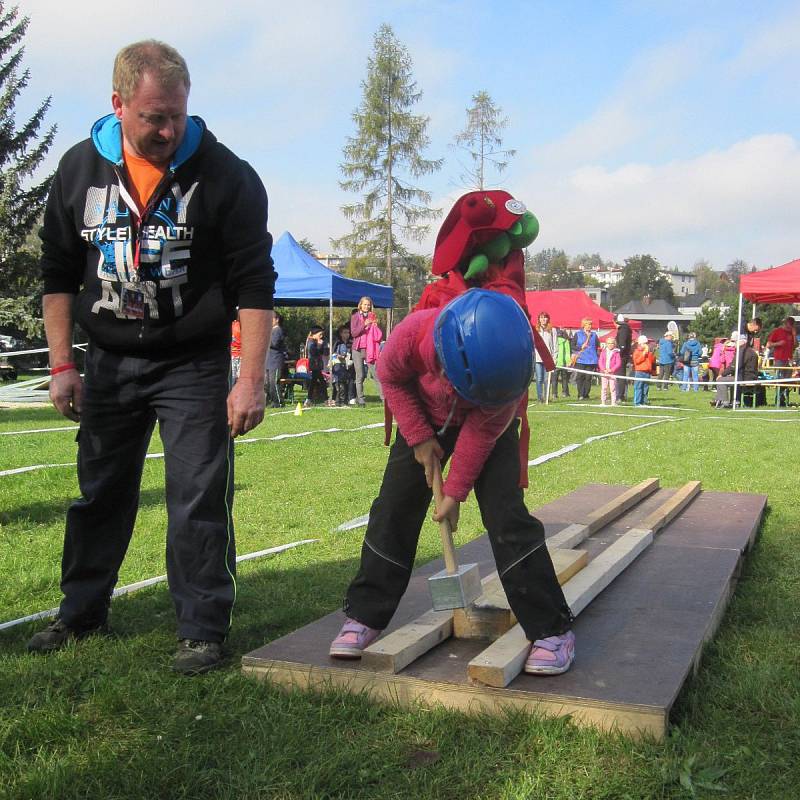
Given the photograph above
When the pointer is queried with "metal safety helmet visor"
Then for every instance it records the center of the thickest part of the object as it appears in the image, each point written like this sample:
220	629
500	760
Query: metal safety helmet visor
484	344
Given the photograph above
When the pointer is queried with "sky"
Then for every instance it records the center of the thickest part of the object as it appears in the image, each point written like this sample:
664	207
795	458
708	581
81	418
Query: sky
668	128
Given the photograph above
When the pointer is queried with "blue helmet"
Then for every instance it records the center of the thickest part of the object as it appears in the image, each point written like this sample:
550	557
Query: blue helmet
484	343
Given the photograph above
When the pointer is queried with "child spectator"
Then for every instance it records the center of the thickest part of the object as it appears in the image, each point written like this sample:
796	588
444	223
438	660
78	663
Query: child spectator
642	368
608	364
453	378
316	350
342	366
563	355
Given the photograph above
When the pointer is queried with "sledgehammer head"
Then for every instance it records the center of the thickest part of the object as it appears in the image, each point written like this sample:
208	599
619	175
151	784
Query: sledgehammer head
455	589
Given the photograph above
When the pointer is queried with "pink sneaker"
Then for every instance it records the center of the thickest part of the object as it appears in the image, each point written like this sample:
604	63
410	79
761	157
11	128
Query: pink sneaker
353	638
551	656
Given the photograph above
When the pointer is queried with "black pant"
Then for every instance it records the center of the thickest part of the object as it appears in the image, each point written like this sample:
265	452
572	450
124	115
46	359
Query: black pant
584	382
622	384
317	387
273	385
516	537
563	376
123	398
665	373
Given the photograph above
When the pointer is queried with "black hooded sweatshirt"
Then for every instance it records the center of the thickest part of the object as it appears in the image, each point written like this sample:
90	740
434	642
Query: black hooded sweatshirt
167	278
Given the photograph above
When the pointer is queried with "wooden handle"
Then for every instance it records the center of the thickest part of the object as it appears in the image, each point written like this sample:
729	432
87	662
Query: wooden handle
450	558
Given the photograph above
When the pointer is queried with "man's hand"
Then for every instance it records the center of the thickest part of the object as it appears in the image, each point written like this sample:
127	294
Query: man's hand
429	453
66	390
245	405
447	508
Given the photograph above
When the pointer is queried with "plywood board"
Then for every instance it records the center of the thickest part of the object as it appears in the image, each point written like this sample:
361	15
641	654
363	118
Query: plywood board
503	660
592	522
637	642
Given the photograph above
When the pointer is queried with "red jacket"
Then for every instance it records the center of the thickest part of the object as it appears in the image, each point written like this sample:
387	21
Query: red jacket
421	399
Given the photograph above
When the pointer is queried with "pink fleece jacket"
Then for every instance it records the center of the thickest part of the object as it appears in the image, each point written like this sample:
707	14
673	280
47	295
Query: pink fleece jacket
609	361
421	399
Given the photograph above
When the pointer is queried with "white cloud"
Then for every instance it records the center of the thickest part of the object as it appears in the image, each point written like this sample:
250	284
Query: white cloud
738	202
774	42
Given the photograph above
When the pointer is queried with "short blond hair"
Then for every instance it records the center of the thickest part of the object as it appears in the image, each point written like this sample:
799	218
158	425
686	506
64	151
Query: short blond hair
158	59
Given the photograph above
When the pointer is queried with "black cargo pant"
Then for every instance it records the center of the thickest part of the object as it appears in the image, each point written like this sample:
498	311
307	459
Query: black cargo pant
123	397
517	540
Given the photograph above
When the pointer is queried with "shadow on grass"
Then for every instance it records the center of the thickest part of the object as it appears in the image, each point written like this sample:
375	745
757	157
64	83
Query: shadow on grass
46	512
270	602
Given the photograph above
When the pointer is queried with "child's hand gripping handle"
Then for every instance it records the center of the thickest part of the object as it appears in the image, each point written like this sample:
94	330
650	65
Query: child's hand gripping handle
445	531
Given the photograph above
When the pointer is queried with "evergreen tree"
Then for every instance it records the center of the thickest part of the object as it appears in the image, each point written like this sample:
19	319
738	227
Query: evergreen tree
482	140
21	203
383	157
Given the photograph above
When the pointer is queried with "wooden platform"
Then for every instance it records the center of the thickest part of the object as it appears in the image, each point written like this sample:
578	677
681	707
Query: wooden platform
637	642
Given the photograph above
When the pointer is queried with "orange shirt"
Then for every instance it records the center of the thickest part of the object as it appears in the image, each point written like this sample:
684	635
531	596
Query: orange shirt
144	177
641	359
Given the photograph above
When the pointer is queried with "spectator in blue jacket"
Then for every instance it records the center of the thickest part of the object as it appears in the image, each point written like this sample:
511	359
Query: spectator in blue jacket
666	359
586	347
690	356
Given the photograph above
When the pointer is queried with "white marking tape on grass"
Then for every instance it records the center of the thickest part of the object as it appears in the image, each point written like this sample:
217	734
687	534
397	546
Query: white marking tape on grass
656	408
19	470
40	430
570	447
281	436
132	587
585	410
358	522
277	438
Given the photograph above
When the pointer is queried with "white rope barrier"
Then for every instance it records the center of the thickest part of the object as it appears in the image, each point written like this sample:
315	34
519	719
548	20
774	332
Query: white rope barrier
678	383
82	346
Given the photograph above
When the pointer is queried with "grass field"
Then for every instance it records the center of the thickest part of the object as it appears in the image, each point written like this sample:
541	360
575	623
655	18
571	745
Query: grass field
107	719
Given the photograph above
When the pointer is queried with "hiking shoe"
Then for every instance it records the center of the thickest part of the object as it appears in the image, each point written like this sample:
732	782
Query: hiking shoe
551	656
58	634
352	639
194	656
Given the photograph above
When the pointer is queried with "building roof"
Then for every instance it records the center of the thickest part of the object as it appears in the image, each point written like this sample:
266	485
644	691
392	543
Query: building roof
654	307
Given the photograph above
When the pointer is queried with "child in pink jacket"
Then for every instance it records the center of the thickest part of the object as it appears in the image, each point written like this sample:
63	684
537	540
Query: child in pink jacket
608	364
453	378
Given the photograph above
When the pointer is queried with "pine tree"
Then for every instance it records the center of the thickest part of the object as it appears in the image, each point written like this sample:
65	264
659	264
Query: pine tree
482	140
21	202
384	156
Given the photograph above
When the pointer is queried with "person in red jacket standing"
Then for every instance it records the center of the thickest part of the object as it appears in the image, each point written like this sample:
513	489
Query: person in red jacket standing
782	342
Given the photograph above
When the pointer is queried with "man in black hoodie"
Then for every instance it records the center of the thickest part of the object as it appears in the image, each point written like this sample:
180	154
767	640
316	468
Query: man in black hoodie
153	234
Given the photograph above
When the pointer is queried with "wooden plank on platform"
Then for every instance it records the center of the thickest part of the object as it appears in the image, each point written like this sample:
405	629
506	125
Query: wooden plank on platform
667	511
579	531
490	616
399	648
503	660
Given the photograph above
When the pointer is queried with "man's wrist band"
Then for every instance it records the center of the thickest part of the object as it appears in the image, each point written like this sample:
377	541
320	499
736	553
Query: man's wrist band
62	368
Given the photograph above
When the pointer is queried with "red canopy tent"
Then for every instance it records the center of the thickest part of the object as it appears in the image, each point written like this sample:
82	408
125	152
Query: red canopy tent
776	285
568	307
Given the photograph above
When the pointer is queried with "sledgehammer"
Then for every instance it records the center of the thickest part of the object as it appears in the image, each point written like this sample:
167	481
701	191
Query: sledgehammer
455	586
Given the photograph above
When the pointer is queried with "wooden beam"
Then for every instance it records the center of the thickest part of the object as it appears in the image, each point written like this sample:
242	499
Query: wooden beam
667	511
600	517
576	533
399	648
490	616
503	660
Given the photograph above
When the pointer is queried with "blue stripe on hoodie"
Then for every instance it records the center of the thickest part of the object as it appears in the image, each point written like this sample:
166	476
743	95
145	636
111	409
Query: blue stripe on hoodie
107	138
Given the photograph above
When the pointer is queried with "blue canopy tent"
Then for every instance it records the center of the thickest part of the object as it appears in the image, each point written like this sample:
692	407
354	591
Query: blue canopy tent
303	281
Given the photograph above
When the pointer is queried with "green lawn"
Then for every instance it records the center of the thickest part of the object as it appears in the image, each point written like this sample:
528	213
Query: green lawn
107	719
